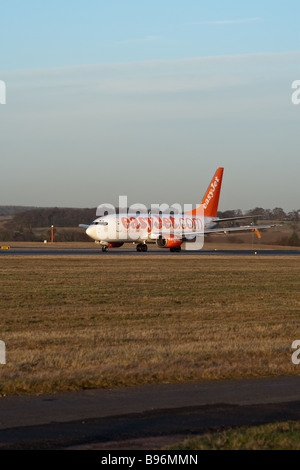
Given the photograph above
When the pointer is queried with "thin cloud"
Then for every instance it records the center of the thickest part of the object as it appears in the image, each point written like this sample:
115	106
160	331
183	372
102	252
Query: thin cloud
224	22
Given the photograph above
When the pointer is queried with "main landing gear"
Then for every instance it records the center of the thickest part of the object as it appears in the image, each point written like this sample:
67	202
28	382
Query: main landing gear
104	248
141	247
175	249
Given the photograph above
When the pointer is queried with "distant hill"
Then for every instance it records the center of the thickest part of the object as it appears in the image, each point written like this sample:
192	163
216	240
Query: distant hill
21	223
45	217
12	210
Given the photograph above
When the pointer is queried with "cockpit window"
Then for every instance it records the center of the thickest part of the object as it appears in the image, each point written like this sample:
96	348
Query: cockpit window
100	222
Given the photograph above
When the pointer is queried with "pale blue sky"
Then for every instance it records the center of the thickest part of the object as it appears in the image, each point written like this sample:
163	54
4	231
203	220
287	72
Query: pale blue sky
147	98
38	34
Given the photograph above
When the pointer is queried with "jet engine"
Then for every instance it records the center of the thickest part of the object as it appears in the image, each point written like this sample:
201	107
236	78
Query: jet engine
169	241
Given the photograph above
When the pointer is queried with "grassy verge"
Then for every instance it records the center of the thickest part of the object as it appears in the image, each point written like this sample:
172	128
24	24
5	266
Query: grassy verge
275	436
72	323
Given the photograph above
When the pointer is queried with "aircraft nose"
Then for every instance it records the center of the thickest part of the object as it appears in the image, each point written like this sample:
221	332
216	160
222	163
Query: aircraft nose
89	231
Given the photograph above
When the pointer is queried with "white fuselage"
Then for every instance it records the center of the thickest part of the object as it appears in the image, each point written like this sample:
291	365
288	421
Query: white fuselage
142	228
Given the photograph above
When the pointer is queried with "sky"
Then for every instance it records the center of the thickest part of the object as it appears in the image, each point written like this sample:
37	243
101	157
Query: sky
146	99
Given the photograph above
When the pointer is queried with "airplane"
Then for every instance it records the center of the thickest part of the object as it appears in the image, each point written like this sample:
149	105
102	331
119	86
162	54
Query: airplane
168	230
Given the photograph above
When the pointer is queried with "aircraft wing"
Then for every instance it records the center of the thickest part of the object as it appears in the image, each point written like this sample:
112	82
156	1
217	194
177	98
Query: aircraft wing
240	217
83	225
187	235
243	228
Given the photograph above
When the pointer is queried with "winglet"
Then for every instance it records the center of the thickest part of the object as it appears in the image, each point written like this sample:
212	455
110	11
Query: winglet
257	233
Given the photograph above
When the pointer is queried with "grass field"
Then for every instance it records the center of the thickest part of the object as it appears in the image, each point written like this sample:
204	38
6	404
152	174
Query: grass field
72	323
274	436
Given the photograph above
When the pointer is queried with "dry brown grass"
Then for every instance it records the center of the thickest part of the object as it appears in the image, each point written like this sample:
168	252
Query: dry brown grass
72	323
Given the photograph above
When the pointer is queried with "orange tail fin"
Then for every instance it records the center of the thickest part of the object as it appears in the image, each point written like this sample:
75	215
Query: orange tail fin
210	201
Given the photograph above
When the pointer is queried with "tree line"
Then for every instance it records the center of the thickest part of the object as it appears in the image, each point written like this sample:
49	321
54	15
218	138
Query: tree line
34	224
266	214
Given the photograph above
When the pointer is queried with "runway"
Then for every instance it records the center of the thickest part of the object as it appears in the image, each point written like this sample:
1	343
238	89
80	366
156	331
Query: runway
131	251
132	418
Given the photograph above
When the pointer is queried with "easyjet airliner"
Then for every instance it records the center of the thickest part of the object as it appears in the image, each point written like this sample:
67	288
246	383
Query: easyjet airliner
168	230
